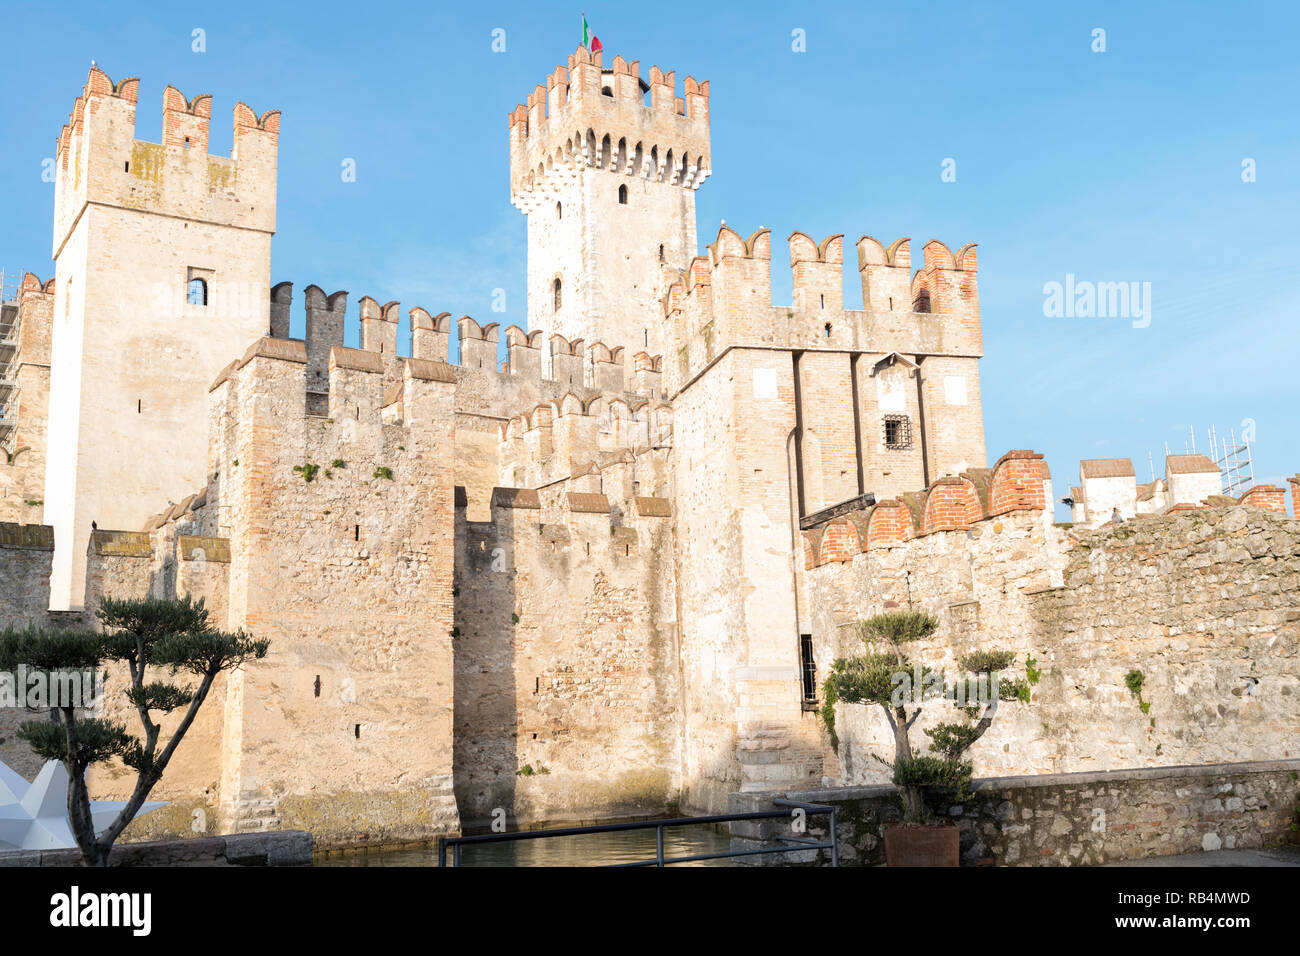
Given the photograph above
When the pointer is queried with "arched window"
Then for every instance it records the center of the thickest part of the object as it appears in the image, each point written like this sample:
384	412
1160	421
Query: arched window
197	292
559	211
606	91
622	195
557	295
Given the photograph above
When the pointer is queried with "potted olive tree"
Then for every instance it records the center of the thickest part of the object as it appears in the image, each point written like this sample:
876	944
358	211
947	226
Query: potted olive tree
888	677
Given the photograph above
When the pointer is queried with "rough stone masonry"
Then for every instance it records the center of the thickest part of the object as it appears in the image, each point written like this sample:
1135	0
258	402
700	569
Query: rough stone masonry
597	567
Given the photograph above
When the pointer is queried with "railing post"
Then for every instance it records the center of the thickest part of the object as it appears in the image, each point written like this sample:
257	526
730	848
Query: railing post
659	845
442	851
835	838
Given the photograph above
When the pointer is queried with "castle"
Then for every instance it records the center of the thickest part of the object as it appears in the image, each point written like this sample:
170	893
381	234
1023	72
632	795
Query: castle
602	578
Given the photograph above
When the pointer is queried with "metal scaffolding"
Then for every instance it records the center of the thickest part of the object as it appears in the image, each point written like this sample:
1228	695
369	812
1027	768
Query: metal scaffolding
1232	455
9	283
1236	465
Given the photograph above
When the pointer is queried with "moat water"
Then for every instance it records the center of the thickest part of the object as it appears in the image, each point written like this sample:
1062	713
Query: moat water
588	849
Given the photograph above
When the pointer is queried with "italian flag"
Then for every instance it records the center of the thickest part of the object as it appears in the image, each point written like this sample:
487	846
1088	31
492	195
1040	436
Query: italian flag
589	39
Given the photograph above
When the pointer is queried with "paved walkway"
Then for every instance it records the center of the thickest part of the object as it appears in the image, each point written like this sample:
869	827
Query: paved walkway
1276	856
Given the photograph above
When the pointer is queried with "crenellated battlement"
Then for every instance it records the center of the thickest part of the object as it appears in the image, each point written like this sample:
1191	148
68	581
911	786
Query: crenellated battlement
575	541
724	299
588	444
263	435
99	160
1018	482
592	520
591	367
589	115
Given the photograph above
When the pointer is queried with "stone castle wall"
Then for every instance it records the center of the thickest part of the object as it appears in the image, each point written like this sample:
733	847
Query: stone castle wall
574	584
1072	819
22	457
568	700
134	224
1202	602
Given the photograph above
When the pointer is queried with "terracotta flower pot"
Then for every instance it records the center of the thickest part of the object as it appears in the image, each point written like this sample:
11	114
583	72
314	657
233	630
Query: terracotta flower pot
911	844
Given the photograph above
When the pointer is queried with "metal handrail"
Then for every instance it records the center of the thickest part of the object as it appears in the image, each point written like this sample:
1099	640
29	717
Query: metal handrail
789	843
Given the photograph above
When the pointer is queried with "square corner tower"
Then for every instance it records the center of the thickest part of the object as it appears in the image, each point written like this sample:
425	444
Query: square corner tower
605	167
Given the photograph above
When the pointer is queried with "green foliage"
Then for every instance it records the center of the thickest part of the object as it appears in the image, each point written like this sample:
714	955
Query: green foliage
1134	681
525	771
1017	689
51	652
886	677
160	696
142	633
205	652
897	627
514	618
97	740
1031	670
152	618
986	662
383	471
307	471
941	775
874	678
952	740
337	463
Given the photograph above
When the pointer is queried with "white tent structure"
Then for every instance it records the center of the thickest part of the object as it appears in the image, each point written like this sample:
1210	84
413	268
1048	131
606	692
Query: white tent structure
35	816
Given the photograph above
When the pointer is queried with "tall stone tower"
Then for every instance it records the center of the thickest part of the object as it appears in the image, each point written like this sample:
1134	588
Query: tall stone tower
606	166
163	256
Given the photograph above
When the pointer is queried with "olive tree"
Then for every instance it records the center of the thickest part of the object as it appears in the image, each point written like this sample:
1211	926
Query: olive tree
149	636
888	677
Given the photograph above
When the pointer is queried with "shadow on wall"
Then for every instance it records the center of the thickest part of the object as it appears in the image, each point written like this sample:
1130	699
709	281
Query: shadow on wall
485	762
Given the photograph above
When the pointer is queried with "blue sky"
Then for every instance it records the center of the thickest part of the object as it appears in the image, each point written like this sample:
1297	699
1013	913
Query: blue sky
1117	166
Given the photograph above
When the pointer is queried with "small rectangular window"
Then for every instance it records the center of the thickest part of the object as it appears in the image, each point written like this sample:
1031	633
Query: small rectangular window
808	668
898	432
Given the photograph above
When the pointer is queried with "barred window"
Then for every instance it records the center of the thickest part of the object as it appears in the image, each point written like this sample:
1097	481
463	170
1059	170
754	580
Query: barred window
808	669
898	431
